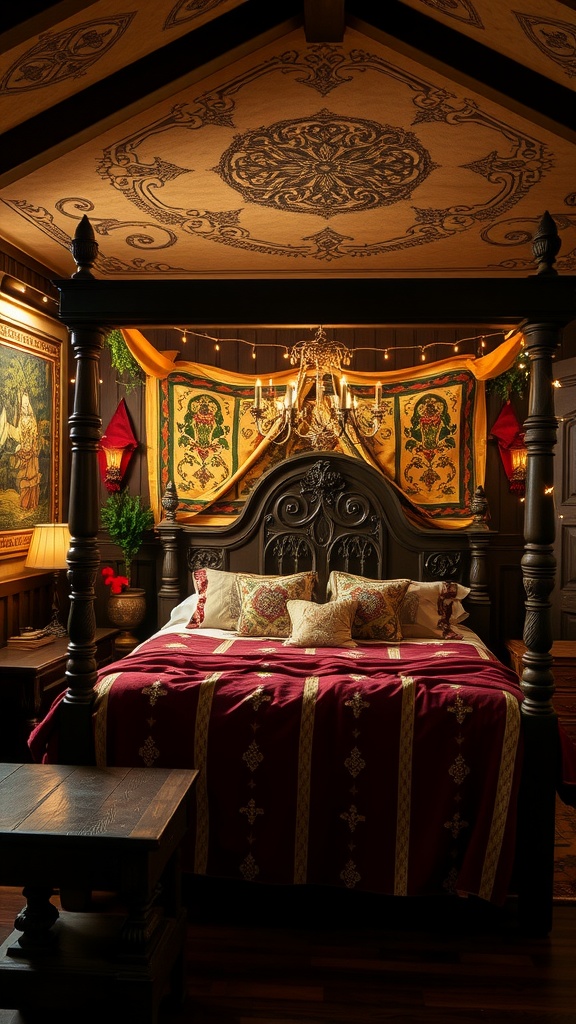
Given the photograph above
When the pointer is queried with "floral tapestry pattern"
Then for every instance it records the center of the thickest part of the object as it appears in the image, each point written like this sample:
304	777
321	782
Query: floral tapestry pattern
212	451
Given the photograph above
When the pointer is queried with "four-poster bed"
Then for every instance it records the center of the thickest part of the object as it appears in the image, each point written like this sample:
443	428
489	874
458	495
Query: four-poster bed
541	304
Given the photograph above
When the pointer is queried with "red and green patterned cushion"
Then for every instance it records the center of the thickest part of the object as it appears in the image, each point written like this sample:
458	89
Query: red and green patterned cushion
263	610
379	602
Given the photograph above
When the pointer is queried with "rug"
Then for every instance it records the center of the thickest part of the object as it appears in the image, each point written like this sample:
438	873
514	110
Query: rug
565	853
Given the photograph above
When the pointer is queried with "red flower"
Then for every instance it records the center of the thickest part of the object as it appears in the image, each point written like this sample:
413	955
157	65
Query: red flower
116	583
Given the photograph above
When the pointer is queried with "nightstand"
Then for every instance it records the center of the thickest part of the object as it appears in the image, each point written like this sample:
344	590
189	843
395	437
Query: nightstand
29	682
564	669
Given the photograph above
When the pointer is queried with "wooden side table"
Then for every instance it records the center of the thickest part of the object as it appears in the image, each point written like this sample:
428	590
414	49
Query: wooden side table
564	669
113	830
29	682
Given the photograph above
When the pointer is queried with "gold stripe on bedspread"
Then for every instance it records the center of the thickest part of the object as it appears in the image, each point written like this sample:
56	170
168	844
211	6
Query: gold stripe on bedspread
502	799
224	646
205	697
100	717
309	697
404	786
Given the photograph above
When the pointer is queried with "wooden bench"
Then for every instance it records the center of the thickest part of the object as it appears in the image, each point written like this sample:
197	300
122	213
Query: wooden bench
79	829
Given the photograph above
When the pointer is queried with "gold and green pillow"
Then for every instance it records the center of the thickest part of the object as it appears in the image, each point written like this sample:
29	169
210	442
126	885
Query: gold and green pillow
379	602
263	602
321	625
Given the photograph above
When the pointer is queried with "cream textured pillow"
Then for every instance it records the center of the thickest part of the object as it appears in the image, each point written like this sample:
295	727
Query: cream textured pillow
218	604
321	625
433	610
263	600
379	601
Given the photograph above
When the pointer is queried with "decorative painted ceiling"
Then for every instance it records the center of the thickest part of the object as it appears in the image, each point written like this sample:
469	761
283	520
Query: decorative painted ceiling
230	138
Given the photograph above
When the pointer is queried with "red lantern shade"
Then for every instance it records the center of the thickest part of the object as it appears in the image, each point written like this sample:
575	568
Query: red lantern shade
116	447
510	436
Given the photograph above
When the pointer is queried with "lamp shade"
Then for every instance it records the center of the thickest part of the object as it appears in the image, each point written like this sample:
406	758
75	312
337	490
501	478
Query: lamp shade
49	547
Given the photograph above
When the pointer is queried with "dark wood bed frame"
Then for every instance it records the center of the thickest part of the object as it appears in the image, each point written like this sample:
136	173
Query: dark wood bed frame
541	304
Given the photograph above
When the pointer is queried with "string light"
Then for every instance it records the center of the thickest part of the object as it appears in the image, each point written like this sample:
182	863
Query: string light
479	340
184	338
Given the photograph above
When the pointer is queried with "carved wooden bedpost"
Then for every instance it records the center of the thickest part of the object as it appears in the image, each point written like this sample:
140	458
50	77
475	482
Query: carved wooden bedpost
169	594
538	571
83	557
479	541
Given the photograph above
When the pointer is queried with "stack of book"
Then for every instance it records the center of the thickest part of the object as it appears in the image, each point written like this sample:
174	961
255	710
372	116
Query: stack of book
29	639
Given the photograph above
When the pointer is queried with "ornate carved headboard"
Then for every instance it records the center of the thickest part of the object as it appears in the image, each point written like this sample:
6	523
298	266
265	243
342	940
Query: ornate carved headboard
326	512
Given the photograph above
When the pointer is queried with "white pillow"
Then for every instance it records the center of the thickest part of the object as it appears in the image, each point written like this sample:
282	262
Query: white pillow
183	612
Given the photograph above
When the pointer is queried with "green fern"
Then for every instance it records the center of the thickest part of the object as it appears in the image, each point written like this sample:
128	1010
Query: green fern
123	361
126	520
513	381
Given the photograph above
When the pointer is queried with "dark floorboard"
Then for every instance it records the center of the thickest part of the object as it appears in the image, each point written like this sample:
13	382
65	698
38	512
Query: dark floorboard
295	957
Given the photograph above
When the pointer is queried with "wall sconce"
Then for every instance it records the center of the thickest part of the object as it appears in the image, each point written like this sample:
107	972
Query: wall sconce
508	432
116	447
519	456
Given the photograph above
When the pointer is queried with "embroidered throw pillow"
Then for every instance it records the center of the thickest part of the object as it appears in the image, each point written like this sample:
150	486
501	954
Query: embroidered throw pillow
263	601
379	601
321	625
433	610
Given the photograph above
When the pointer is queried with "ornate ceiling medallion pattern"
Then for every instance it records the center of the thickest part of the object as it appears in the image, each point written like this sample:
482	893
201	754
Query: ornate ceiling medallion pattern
199	174
58	56
325	165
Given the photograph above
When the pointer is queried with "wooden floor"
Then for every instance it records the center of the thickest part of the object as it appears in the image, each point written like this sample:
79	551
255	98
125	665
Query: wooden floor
297	959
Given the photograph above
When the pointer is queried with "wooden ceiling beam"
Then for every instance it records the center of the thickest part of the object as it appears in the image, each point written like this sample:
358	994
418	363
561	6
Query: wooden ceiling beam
24	19
324	21
75	120
548	103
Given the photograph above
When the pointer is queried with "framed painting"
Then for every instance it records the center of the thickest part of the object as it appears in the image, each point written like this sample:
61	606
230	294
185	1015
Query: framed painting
30	434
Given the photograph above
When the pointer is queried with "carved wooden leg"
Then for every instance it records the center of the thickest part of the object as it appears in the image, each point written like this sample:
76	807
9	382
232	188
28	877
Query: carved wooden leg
144	917
35	921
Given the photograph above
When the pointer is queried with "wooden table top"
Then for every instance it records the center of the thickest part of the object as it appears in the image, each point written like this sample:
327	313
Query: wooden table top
87	805
15	658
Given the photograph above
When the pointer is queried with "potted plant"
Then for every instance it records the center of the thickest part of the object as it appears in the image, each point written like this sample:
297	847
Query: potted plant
126	519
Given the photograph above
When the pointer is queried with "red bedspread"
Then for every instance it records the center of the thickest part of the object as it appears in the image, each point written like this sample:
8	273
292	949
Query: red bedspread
392	769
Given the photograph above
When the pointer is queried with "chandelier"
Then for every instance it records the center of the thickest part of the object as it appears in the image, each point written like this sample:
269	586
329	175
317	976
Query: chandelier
317	407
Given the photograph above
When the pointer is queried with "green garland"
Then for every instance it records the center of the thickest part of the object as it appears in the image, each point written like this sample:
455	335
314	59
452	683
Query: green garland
123	361
514	381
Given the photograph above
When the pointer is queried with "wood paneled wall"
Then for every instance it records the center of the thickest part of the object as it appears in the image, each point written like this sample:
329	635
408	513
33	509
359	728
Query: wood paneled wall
25	601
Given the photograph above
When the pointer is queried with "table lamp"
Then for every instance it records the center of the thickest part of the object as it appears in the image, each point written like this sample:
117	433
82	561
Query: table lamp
48	550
